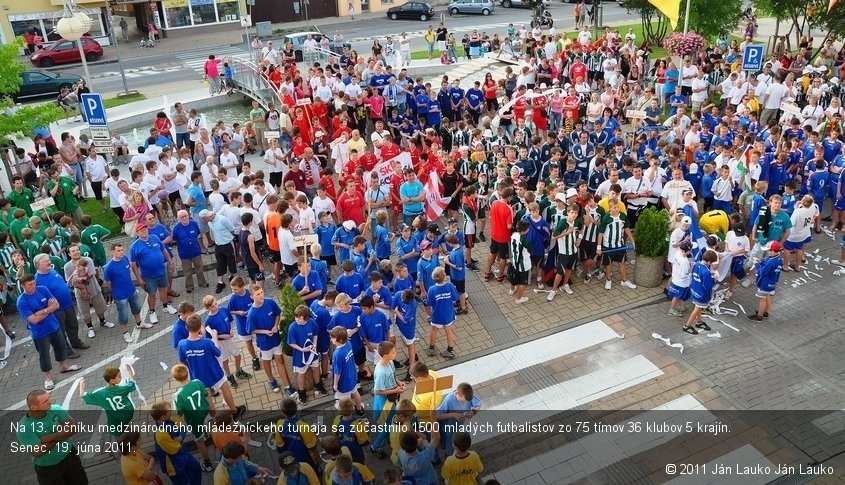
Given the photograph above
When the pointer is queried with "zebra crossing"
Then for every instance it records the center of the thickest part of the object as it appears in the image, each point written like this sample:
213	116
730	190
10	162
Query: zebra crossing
196	60
523	388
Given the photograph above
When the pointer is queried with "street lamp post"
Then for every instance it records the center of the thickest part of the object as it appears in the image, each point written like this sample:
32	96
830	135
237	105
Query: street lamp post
72	26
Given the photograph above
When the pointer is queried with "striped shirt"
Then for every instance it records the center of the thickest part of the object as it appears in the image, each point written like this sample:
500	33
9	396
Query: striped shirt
554	215
567	244
591	231
55	247
613	229
6	255
520	257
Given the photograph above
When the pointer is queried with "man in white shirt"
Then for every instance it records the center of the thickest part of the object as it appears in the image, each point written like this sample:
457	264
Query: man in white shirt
340	153
699	91
683	119
112	187
97	171
405	48
323	203
274	157
765	77
229	161
771	101
377	138
693	136
688	72
584	36
269	54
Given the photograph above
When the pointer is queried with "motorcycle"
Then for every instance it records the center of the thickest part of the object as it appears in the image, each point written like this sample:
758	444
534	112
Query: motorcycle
543	18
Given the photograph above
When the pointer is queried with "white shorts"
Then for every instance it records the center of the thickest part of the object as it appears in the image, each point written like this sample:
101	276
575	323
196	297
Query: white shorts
441	44
304	369
763	294
407	341
441	325
393	330
340	395
245	338
217	385
372	357
269	354
228	348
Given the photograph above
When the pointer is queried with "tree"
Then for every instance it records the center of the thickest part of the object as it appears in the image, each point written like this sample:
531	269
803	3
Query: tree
711	18
655	25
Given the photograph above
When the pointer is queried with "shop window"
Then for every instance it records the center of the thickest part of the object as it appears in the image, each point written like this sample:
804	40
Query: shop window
177	13
203	12
227	10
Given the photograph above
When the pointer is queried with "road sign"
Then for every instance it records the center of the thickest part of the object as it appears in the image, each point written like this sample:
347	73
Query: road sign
752	57
635	114
95	112
101	132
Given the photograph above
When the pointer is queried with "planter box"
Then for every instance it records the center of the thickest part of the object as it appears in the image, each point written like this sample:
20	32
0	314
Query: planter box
648	271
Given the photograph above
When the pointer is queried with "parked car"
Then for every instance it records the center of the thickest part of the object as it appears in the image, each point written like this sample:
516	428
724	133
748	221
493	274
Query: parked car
67	51
298	40
43	83
411	10
520	3
484	7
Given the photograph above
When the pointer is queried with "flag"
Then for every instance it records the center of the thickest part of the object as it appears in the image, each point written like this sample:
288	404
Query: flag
830	5
434	203
671	9
695	232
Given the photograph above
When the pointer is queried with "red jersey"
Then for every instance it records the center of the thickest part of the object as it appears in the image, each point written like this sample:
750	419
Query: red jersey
321	111
389	150
328	182
501	218
304	129
578	70
367	161
351	207
396	181
299	148
519	109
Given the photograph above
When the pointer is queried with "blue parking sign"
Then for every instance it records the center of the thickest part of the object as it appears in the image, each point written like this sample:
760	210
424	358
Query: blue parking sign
93	108
752	57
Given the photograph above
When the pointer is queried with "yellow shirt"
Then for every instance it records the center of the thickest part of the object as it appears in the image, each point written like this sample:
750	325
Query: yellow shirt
306	471
462	471
714	222
427	402
394	439
134	465
604	204
357	145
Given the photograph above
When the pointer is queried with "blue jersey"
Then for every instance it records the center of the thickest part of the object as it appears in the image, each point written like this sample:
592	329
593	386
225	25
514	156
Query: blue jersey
264	318
381	296
424	269
382	237
405	247
701	285
179	332
362	264
314	283
351	284
441	299
341	235
303	335
240	303
768	273
325	234
400	285
458	272
373	327
349	321
818	184
408	323
343	366
322	269
788	204
320	314
200	356
220	321
118	274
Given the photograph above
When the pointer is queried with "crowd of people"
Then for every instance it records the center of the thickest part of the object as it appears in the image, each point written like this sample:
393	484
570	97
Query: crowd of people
536	165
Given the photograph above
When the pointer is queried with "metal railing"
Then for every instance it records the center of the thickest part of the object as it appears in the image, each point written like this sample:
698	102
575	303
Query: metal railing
250	81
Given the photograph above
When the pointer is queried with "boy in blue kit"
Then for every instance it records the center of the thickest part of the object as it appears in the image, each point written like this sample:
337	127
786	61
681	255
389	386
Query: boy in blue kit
701	291
425	268
238	306
307	283
321	313
408	250
789	197
705	188
201	355
351	430
173	456
416	457
456	408
220	321
571	176
379	293
325	232
362	260
180	331
344	374
303	338
405	309
343	238
456	265
320	266
373	328
403	279
818	185
441	298
347	317
382	237
768	275
420	229
262	321
452	228
350	282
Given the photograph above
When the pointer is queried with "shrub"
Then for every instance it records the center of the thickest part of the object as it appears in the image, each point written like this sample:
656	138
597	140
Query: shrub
289	299
651	234
679	44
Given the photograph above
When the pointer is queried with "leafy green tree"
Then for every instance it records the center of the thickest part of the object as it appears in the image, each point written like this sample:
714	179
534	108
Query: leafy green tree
655	25
708	18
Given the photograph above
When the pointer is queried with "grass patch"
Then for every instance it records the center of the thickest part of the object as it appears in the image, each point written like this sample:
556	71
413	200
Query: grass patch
107	219
121	100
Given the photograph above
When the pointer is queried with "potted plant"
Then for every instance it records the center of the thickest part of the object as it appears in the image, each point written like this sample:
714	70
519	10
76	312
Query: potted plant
289	299
651	240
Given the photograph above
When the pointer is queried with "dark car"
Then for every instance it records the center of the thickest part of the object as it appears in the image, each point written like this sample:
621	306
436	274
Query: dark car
411	10
43	83
67	51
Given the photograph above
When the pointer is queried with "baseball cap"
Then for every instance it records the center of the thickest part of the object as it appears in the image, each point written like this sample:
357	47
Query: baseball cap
425	244
434	229
140	225
773	246
349	225
570	192
685	246
686	220
559	196
287	461
318	134
203	213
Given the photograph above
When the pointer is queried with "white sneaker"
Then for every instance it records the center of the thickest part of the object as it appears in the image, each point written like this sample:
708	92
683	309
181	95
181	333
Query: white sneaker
127	337
837	262
746	282
628	284
169	309
567	289
520	301
551	296
153	317
107	325
608	285
91	333
143	325
511	291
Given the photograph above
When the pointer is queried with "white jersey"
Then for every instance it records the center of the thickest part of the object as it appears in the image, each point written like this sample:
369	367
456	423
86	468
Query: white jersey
681	270
802	222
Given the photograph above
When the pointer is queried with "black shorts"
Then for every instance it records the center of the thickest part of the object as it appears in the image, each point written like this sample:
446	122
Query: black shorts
517	278
535	260
460	285
469	240
97	187
173	196
330	260
614	257
361	356
587	250
254	273
500	249
276	179
275	256
565	262
290	269
686	91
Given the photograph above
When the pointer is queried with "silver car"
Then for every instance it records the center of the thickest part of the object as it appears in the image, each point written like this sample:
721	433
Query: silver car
484	7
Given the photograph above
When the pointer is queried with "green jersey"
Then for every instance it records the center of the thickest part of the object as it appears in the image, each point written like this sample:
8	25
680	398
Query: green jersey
39	236
30	430
116	402
56	247
567	244
592	219
613	229
65	199
16	226
85	251
257	116
6	255
22	199
93	236
191	402
62	234
555	215
30	248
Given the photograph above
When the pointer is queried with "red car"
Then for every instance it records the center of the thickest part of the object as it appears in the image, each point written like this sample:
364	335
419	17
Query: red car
66	51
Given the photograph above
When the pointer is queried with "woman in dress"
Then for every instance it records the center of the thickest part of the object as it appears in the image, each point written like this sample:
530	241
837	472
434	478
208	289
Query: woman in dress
659	74
137	209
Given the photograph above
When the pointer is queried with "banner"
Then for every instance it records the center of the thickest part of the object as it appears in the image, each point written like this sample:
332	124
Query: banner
434	203
670	8
384	169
